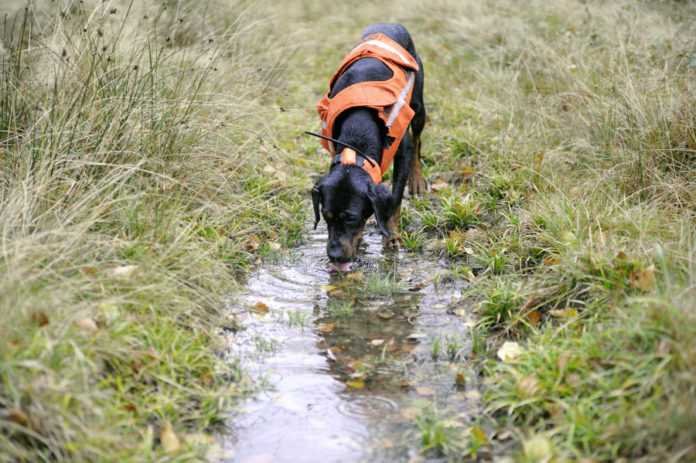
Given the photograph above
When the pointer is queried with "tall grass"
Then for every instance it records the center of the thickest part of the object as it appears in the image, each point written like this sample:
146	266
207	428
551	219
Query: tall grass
130	157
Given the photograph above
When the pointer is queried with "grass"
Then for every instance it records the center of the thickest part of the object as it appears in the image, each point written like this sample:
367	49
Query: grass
138	175
128	143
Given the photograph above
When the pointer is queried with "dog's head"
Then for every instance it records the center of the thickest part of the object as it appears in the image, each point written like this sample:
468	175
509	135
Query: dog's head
346	197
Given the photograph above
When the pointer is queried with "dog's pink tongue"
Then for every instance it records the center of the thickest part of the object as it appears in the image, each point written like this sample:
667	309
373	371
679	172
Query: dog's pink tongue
341	266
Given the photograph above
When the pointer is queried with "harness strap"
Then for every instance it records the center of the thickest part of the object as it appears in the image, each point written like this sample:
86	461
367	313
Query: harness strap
348	157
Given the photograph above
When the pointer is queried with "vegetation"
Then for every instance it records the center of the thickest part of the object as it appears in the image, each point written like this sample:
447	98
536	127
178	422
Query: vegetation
132	192
151	152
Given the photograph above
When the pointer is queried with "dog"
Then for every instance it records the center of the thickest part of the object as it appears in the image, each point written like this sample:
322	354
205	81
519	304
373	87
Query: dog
367	118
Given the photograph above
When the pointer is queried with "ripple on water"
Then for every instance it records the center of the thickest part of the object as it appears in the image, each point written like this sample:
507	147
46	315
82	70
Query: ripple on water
366	406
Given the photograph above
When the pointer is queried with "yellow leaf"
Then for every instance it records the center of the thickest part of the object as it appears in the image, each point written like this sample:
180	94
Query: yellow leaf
356	384
479	435
170	442
568	312
467	172
260	307
327	288
355	277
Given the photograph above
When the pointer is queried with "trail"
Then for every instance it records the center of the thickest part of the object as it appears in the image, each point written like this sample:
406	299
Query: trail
347	363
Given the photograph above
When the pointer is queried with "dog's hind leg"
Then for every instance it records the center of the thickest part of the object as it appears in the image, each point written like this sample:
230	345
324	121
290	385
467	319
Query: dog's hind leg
416	181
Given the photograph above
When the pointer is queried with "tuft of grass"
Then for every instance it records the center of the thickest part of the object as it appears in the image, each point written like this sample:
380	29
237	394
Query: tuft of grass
125	139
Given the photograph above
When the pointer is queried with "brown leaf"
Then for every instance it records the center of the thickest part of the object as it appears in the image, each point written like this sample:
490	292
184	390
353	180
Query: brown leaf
534	317
385	314
40	318
551	260
460	379
89	270
326	328
260	308
170	442
17	416
643	279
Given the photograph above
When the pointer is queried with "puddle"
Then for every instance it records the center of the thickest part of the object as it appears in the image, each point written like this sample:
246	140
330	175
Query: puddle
347	361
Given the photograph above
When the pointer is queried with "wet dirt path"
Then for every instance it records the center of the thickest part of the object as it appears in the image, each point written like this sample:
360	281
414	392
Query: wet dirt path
350	363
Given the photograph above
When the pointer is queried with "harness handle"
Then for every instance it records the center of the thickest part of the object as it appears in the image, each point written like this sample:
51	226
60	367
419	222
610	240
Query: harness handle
324	137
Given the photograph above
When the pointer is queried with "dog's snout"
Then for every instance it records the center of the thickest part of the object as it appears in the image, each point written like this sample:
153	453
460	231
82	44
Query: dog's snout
335	252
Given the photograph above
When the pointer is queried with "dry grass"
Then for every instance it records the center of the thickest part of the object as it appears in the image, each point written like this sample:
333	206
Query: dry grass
566	133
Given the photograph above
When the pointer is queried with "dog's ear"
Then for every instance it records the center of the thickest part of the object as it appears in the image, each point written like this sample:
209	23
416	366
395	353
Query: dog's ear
316	199
381	199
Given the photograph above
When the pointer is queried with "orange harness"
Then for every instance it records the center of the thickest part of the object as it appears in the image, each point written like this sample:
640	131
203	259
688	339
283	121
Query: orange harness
390	98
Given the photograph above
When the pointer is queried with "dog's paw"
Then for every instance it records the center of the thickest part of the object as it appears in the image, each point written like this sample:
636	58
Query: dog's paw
391	242
417	185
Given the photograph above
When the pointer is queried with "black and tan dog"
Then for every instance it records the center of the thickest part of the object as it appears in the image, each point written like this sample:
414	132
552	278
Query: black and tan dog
372	114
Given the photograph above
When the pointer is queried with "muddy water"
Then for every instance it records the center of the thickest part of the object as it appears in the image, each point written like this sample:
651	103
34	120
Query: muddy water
349	363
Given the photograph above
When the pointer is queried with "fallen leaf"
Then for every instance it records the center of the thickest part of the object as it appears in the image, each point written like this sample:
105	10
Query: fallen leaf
538	449
563	360
326	328
252	244
534	317
17	416
87	325
410	413
425	391
356	384
643	279
568	312
460	379
509	351
528	387
467	172
327	288
40	318
124	271
551	260
479	435
385	314
89	270
355	277
439	186
260	307
274	246
170	442
377	342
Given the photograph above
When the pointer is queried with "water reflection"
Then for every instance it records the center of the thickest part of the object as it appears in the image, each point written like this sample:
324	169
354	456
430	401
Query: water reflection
348	358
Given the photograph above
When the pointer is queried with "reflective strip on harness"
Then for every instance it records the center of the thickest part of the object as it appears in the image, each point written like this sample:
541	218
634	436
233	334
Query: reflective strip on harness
383	45
394	112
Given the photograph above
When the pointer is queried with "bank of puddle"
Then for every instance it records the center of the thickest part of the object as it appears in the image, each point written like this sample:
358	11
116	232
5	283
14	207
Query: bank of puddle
351	367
